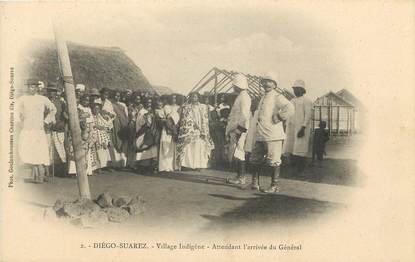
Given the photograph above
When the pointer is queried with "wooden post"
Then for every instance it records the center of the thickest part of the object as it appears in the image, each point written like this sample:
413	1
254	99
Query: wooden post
320	118
215	89
74	128
338	120
329	116
348	120
353	124
314	118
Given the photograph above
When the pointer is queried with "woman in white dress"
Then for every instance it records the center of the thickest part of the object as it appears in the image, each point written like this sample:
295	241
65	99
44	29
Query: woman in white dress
167	151
35	111
194	142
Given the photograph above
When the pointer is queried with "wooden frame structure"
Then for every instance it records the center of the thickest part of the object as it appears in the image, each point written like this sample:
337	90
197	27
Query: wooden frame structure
337	112
220	81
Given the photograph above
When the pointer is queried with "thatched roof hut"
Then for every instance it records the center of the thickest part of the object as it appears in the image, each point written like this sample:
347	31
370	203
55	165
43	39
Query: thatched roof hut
163	90
95	67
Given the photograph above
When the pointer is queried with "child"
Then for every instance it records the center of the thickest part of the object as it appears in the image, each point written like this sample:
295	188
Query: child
321	136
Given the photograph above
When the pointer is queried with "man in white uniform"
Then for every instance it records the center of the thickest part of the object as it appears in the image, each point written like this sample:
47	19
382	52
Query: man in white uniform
299	126
238	124
273	109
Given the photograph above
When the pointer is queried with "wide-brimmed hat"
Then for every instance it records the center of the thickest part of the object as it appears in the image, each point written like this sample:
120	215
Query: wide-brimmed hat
240	81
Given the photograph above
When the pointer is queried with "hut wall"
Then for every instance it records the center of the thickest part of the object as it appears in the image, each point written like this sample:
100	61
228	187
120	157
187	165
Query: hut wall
340	119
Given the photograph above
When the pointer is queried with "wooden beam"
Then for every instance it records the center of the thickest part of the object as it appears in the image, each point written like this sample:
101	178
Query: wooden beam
338	119
74	127
215	90
195	86
205	83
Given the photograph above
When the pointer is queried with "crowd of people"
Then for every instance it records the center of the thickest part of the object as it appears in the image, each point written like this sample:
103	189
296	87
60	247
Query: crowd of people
145	132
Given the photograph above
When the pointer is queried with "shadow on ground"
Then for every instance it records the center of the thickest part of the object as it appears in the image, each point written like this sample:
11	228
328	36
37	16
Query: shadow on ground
189	177
278	209
333	171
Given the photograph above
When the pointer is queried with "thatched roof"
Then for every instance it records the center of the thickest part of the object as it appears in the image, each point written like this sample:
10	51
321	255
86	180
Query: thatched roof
92	66
163	90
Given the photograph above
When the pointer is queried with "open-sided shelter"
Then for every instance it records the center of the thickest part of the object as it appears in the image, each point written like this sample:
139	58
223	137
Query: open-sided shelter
218	81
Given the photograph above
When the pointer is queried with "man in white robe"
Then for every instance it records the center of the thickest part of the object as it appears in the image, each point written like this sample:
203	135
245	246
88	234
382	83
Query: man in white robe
299	126
236	129
35	111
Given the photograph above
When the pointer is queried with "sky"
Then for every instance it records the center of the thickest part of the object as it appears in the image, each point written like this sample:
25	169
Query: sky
175	43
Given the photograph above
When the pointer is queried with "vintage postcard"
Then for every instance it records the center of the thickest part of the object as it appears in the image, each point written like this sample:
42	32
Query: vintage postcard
207	130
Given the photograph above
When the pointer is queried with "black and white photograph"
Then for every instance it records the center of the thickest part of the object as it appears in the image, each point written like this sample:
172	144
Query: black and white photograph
224	130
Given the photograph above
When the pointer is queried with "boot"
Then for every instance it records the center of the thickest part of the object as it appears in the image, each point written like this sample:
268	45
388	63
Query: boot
38	177
254	184
274	181
240	178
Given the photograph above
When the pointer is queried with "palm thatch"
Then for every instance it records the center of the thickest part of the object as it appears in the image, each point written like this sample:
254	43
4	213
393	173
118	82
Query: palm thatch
92	66
163	90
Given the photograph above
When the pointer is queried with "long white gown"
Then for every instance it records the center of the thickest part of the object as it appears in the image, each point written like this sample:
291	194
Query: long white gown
167	151
302	117
196	154
33	145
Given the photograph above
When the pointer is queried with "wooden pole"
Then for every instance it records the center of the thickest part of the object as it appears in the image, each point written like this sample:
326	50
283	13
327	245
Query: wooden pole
348	121
215	90
74	127
338	120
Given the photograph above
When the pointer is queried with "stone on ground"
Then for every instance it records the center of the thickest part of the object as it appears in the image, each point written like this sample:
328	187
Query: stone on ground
91	220
87	206
120	202
136	205
116	214
76	208
104	200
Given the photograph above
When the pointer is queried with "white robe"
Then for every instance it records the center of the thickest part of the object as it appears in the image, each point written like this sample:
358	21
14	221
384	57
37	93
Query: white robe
33	146
196	154
302	117
238	117
167	151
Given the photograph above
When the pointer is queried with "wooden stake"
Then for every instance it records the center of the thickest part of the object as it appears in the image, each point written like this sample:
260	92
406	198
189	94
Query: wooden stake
74	127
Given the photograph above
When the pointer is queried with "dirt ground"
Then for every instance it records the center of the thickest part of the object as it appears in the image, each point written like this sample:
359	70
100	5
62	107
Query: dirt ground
202	201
